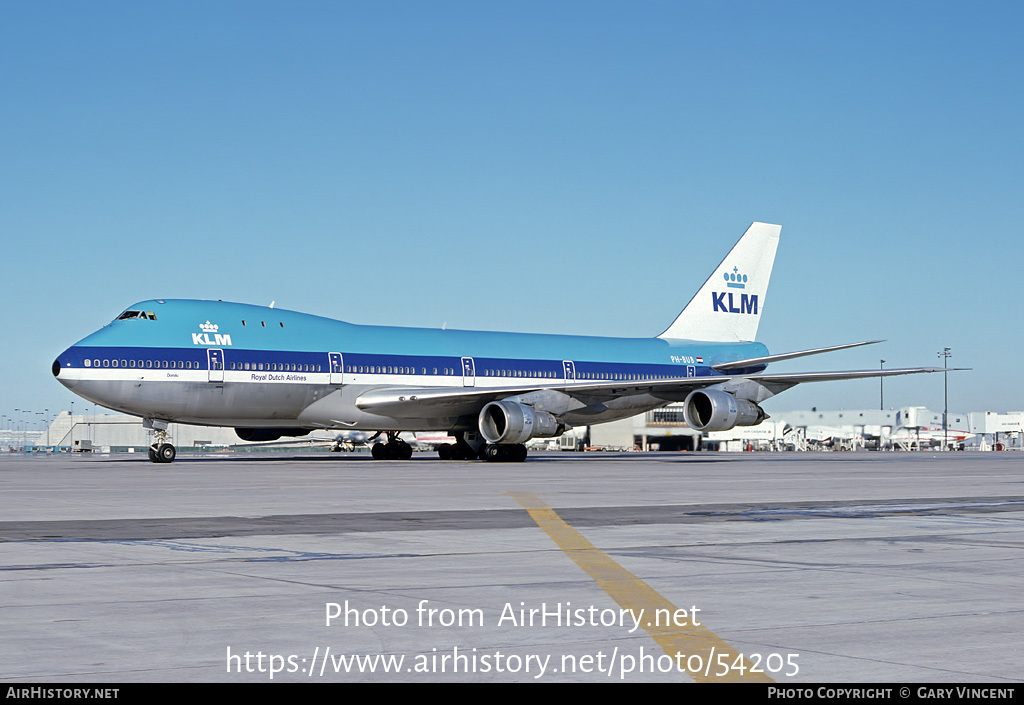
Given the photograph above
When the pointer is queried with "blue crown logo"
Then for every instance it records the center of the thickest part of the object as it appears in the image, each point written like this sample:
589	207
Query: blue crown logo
735	280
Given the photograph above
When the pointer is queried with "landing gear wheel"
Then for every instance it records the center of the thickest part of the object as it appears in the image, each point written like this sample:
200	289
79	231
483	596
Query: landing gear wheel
160	451
463	448
464	451
163	453
493	452
394	449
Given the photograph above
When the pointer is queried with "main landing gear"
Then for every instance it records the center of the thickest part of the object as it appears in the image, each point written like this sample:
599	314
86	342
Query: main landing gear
467	446
461	449
474	447
505	453
492	452
394	449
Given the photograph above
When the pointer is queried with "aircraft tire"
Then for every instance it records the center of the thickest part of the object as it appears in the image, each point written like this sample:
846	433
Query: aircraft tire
397	450
379	451
166	453
445	451
152	455
464	451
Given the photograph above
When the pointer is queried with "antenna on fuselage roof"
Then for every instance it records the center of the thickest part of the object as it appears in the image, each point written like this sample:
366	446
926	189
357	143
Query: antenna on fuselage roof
272	303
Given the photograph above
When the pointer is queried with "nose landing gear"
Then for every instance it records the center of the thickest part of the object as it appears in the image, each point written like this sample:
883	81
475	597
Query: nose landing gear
161	450
162	453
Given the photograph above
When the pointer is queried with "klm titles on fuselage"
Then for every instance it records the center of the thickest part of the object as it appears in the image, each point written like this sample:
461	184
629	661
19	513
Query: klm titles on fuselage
204	337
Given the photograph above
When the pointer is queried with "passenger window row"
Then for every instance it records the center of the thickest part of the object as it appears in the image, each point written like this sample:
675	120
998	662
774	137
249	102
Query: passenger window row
146	364
395	370
363	369
274	366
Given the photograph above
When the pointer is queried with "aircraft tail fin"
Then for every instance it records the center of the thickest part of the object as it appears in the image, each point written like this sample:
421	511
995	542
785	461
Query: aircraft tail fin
728	307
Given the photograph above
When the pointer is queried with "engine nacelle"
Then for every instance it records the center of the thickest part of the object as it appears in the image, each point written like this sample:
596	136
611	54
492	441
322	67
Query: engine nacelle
715	410
512	422
269	434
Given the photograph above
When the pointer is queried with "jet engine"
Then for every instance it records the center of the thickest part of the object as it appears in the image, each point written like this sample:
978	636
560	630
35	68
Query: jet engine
715	410
512	422
268	434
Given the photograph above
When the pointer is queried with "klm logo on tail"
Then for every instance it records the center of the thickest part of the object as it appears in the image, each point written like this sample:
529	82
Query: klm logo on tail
723	300
738	285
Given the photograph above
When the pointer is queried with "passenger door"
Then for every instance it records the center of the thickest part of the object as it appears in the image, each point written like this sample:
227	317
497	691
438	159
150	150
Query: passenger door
569	367
334	364
215	362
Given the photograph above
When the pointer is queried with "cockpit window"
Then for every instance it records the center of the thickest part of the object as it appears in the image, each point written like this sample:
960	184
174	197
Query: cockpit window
148	315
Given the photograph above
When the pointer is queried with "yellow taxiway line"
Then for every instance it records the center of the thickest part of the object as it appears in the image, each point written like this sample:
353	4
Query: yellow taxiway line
697	644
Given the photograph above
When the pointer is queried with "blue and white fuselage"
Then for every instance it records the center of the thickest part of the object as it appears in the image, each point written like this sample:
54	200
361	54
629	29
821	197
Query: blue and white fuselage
270	372
228	364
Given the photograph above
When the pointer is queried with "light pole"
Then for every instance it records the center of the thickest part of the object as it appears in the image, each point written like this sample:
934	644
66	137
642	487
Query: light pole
25	421
945	355
881	391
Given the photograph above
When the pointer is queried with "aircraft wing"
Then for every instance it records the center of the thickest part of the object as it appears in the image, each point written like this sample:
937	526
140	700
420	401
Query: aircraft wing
415	401
448	401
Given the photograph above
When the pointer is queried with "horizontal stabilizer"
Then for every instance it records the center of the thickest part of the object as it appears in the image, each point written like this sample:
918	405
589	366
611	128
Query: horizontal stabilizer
792	378
768	359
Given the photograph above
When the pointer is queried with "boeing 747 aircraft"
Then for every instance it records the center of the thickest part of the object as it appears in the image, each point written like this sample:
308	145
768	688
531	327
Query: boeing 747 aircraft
271	373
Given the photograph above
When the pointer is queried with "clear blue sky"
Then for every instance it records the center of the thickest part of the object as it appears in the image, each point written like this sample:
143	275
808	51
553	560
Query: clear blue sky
574	167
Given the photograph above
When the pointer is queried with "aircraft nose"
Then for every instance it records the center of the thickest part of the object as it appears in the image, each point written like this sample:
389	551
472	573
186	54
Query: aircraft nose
65	380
